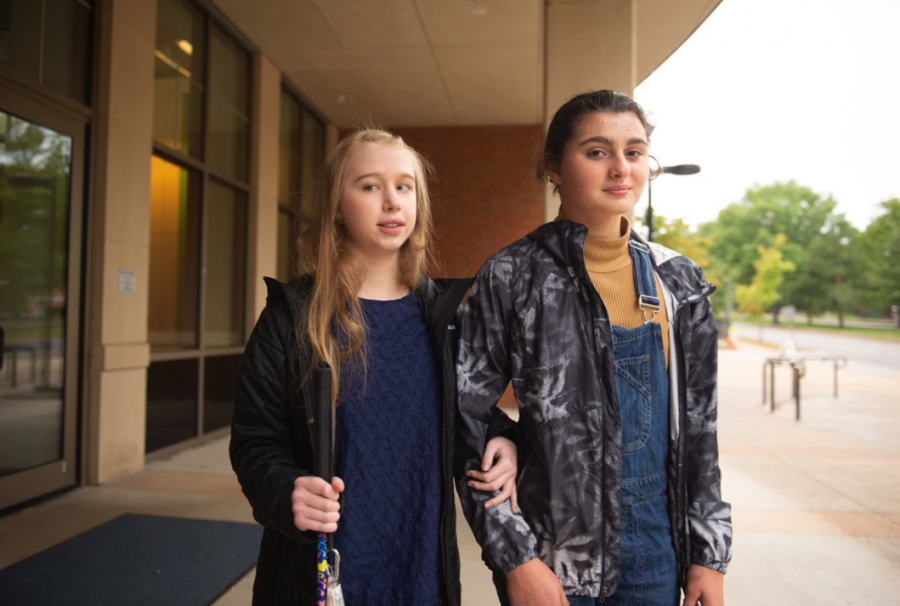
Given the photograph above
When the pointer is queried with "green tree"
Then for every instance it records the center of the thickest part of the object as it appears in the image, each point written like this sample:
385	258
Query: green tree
798	212
680	237
879	249
762	293
830	273
34	195
694	244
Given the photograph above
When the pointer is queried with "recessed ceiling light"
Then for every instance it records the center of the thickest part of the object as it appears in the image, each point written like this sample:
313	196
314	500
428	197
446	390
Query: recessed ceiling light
186	46
344	99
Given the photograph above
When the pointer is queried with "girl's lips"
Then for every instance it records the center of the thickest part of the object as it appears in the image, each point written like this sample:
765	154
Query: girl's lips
391	228
618	191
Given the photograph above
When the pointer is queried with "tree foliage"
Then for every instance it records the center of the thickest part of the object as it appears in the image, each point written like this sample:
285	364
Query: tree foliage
763	292
34	195
819	242
879	251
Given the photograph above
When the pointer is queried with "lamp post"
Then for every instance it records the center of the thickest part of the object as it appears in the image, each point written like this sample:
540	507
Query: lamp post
678	169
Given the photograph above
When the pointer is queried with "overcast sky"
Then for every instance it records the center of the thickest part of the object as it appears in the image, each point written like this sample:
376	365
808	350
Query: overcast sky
773	90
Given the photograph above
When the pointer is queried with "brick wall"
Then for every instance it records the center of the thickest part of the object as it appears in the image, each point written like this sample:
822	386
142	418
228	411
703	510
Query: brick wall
486	195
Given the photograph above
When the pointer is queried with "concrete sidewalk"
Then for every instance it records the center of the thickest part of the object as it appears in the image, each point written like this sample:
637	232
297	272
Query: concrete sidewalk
816	503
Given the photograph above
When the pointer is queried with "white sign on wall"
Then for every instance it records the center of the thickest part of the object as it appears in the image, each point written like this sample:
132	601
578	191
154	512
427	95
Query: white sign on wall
127	281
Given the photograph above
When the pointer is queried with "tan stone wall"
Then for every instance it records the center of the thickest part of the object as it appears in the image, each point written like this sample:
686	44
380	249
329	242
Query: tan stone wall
118	352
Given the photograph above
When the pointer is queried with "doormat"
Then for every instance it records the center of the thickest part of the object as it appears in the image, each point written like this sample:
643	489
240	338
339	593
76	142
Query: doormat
136	559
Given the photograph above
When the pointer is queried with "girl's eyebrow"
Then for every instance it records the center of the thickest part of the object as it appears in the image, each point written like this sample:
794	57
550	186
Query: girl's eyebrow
381	175
605	141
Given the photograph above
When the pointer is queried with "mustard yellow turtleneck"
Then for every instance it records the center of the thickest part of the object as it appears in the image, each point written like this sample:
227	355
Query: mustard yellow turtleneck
612	273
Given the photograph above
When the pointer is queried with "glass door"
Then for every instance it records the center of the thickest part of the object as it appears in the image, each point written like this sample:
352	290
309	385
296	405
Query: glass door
41	167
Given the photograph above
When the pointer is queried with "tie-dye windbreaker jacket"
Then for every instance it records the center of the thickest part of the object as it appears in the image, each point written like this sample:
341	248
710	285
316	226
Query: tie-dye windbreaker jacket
534	318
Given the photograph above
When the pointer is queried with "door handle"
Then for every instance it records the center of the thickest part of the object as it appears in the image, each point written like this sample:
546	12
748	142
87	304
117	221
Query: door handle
2	347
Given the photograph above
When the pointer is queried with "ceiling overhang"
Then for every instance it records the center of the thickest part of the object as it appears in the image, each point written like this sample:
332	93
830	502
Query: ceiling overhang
432	62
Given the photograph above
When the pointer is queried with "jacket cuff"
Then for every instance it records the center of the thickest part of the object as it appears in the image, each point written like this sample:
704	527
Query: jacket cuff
711	564
511	560
501	426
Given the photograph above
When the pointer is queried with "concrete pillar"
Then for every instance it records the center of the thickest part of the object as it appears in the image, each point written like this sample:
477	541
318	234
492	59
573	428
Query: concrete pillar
263	241
590	45
119	353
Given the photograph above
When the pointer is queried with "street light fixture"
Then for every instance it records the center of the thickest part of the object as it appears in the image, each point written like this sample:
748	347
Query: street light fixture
678	169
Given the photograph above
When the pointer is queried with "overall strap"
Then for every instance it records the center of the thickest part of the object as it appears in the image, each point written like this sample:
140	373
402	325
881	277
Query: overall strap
644	280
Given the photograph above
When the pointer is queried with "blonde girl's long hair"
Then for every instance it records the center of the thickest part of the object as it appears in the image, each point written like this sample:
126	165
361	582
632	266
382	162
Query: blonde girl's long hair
333	322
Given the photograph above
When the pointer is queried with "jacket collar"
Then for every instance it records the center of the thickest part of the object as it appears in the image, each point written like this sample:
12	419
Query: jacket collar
564	240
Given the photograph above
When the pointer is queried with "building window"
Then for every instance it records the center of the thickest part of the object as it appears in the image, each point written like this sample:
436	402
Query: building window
226	245
301	157
49	42
229	106
199	216
180	73
174	257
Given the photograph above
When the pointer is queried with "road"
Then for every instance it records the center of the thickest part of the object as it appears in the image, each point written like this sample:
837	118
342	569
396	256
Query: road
856	349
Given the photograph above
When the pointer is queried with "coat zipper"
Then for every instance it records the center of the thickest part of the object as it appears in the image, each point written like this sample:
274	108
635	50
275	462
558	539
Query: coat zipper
445	346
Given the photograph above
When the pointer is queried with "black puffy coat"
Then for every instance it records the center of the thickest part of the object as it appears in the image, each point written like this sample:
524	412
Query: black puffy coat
272	438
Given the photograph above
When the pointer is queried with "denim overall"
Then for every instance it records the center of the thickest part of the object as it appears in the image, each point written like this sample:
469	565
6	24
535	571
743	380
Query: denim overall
647	571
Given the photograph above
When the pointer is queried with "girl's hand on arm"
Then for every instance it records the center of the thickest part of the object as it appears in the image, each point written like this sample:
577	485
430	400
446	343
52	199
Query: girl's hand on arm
704	585
315	503
499	469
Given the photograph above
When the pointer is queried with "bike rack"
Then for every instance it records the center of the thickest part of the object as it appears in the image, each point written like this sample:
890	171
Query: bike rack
798	371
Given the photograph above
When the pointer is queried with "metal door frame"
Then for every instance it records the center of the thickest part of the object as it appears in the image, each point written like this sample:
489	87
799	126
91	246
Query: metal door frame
36	482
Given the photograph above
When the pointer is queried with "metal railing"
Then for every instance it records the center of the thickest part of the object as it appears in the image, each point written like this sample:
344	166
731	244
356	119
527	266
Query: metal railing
798	371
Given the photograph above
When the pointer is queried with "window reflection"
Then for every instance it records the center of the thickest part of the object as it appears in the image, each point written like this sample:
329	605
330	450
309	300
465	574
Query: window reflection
313	158
302	154
179	71
48	41
291	149
174	256
229	106
35	171
225	265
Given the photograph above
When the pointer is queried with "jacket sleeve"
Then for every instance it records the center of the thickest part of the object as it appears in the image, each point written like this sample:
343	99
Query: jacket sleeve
708	516
501	425
483	373
261	447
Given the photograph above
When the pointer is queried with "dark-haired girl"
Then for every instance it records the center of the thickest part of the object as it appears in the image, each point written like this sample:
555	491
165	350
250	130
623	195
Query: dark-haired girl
610	344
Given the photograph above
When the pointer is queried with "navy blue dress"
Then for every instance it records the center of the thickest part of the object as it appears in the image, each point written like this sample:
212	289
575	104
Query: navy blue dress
388	452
